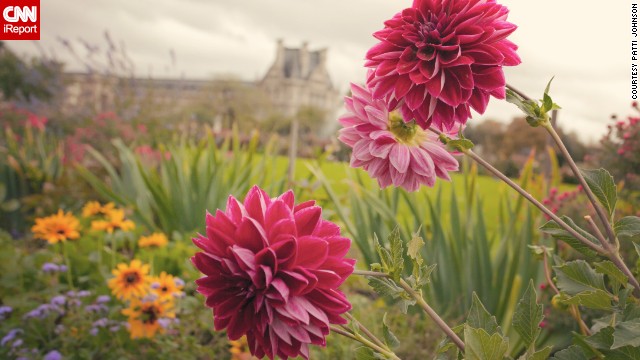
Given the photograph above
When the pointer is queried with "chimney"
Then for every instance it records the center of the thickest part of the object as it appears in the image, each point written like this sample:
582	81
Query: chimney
304	60
279	63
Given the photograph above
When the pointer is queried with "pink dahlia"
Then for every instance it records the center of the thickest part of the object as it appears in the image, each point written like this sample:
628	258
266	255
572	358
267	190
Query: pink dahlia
391	150
272	271
438	58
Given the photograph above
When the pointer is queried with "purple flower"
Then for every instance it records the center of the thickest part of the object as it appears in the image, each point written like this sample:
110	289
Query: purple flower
103	299
179	282
5	310
114	328
58	300
50	267
42	311
52	355
63	268
94	331
10	336
83	293
95	308
17	343
59	329
103	322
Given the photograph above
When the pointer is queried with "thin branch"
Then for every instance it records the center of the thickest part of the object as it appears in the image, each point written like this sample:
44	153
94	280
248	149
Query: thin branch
520	93
599	210
365	330
605	244
369	273
365	342
434	316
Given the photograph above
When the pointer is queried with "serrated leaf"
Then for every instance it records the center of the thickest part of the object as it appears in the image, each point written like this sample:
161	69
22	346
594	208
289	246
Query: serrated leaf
577	276
603	187
413	248
571	353
389	337
528	316
637	248
597	299
616	277
480	345
460	144
552	228
541	354
628	226
480	318
364	353
397	254
626	333
385	287
601	340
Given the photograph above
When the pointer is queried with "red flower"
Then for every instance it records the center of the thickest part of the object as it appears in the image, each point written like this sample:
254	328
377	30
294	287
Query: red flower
272	269
441	57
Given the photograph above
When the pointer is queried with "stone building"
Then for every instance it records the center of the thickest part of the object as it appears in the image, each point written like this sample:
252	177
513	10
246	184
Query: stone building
299	77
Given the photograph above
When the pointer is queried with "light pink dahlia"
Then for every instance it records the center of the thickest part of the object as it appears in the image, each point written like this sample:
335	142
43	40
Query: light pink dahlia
272	271
391	150
440	57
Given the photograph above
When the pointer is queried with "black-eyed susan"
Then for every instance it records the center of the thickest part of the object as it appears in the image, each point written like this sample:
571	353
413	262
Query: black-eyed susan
130	281
155	240
57	228
94	208
115	220
146	316
166	286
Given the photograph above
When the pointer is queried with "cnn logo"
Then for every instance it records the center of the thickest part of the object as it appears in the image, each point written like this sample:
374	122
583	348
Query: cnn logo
16	13
20	20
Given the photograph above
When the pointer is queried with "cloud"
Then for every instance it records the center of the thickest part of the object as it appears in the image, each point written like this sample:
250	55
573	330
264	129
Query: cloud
585	47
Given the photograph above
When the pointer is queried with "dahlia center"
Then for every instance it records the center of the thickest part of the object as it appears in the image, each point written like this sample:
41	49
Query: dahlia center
405	132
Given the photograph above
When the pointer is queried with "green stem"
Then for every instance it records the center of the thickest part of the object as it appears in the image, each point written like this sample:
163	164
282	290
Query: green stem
365	330
65	255
361	339
423	304
434	316
587	190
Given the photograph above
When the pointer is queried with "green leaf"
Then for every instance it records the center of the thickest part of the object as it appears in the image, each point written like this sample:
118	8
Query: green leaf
389	338
528	316
552	228
547	103
546	89
597	299
413	248
616	277
541	354
626	333
385	287
571	353
603	187
480	318
392	260
365	353
577	276
480	345
460	144
627	226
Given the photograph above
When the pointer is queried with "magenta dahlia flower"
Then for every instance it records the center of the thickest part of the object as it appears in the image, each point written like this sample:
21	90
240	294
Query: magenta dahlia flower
438	58
391	150
272	271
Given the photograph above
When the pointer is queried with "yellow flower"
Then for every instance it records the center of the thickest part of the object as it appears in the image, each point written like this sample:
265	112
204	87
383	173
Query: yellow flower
240	349
165	286
93	208
115	220
130	281
155	240
145	315
57	228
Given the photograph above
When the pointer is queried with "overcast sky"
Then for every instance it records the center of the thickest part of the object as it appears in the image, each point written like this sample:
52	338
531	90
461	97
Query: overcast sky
585	44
